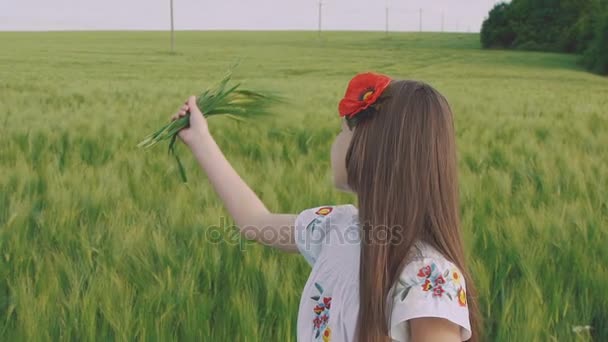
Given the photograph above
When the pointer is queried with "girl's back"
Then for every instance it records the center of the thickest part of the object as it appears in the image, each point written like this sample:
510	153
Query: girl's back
329	239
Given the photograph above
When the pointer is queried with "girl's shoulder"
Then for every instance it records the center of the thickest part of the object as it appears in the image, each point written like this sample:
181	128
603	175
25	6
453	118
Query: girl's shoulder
313	227
430	285
335	213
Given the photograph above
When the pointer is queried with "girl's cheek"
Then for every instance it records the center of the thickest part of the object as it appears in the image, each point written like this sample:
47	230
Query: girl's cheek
336	150
338	161
333	153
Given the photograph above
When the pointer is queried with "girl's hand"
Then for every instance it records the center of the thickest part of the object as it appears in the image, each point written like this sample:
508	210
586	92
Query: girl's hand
198	130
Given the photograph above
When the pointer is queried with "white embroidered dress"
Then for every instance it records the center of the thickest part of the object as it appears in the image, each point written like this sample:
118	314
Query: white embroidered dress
328	238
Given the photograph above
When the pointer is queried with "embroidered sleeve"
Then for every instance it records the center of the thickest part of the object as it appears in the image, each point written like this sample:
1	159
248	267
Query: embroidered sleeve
311	229
429	287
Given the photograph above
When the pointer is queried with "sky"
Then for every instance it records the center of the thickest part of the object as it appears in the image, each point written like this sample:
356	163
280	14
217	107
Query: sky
369	15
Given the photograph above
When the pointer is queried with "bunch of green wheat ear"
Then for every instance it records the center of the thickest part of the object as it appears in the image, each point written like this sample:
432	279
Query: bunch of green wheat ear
226	100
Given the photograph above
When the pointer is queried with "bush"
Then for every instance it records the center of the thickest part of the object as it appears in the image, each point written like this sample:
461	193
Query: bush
596	56
496	31
572	26
531	45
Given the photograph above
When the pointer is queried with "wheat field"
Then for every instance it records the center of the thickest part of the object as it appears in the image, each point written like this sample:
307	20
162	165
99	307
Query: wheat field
101	241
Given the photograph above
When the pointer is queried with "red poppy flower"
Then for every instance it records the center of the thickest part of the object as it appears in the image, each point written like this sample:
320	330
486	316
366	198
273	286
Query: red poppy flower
363	90
327	302
425	272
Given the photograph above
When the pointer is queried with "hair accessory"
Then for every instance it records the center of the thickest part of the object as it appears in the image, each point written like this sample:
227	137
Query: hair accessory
362	92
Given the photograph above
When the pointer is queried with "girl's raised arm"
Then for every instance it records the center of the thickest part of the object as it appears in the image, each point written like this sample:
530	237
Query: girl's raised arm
434	329
252	217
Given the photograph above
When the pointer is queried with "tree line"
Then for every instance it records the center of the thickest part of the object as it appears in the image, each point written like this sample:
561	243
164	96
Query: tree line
572	26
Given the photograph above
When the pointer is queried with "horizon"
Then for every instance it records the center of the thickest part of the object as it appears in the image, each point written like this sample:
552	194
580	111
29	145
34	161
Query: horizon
232	30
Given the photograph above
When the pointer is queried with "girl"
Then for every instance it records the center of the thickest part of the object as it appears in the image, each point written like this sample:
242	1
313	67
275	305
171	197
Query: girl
394	269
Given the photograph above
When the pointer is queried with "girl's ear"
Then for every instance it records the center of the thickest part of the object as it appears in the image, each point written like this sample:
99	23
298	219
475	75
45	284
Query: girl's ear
345	125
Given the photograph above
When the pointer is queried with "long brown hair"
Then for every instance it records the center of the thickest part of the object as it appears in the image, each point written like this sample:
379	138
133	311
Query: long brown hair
402	164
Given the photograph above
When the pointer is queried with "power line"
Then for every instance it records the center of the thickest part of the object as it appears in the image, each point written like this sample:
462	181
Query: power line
396	18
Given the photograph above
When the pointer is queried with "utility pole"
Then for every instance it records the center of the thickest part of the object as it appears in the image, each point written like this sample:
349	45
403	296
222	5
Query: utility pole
172	29
320	16
387	19
421	20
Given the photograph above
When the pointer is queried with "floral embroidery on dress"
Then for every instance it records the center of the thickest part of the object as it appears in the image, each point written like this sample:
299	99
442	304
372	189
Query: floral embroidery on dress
436	283
324	211
321	315
321	214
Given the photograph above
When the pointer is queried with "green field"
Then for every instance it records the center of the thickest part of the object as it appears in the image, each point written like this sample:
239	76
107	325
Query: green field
101	241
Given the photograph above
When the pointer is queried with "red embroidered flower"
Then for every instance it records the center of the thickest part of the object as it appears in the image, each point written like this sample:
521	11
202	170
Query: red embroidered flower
438	291
324	318
363	90
318	309
327	302
324	211
425	272
440	280
317	322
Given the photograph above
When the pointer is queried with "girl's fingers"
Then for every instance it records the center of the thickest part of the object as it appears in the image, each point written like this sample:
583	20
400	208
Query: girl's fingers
183	110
